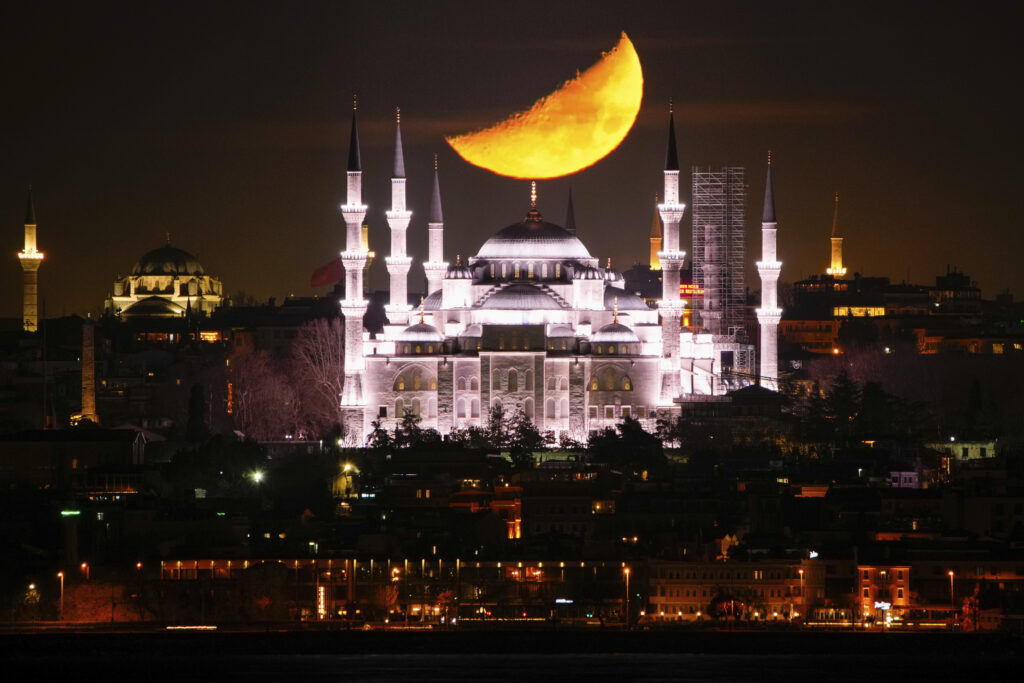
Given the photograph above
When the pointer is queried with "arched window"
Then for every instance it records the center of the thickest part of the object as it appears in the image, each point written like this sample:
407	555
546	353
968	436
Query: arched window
549	408
563	384
492	270
622	348
544	271
609	381
529	271
563	408
558	270
515	273
462	384
416	381
416	407
529	380
418	348
474	408
528	408
400	384
504	271
565	345
460	408
599	348
593	383
474	385
399	409
611	348
627	383
496	380
433	384
513	380
430	348
551	383
432	407
408	348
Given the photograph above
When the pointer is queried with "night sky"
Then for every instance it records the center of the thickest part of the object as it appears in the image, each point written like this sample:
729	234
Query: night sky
226	124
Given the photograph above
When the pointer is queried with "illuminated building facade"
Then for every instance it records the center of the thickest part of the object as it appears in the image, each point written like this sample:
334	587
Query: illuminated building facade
531	322
30	259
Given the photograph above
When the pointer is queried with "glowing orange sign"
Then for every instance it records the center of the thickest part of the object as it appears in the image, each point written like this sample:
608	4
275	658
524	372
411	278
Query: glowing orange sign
691	291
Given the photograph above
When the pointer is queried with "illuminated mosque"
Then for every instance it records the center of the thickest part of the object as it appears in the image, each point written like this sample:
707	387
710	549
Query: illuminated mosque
532	322
166	282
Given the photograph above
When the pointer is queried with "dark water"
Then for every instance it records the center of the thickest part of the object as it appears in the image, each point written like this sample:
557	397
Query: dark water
499	656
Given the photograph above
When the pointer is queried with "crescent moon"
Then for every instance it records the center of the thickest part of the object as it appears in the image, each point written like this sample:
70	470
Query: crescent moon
572	128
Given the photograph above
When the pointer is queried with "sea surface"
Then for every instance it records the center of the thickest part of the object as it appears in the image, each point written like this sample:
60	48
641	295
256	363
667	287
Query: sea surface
511	656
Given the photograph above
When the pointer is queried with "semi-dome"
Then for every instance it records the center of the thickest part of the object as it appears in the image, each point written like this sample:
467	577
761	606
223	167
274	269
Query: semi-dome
522	297
474	330
420	332
168	260
154	307
626	301
615	332
559	331
533	239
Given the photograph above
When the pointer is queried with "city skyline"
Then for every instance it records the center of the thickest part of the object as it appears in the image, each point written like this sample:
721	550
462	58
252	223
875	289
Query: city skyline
227	127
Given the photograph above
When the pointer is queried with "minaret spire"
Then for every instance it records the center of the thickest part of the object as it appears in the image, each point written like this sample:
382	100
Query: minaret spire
570	215
435	267
398	262
769	267
353	306
670	258
655	236
836	268
31	258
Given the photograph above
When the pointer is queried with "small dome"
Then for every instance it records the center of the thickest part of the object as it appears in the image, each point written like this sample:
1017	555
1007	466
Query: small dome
168	260
154	307
612	275
474	330
615	332
588	273
521	297
420	332
458	273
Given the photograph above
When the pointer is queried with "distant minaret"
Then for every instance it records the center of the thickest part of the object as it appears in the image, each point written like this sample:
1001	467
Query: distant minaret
836	269
398	219
655	237
353	306
671	259
30	259
89	373
768	267
570	216
435	267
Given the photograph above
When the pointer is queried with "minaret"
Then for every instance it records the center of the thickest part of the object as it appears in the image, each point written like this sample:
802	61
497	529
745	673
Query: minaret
570	216
30	259
398	220
655	237
768	267
89	373
353	306
671	260
435	267
836	268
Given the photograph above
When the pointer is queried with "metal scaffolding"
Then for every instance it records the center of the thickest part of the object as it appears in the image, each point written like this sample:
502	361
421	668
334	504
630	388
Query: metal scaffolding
719	248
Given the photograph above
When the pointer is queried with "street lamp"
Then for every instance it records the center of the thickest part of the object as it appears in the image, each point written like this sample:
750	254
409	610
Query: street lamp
625	571
952	604
85	570
803	600
60	575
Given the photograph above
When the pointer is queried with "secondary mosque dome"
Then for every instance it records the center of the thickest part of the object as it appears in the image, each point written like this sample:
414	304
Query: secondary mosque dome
168	260
533	239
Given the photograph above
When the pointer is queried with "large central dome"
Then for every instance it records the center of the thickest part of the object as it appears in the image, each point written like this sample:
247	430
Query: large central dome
533	239
168	260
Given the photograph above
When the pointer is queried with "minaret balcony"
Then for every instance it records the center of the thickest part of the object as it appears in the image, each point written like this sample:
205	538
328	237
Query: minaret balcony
769	316
768	267
30	255
671	308
353	307
398	264
671	213
671	259
396	216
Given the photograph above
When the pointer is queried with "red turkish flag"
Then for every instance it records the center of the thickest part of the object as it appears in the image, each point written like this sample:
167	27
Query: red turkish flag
328	274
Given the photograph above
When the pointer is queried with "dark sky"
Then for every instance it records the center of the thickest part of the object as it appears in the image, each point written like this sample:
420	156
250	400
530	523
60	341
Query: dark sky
226	124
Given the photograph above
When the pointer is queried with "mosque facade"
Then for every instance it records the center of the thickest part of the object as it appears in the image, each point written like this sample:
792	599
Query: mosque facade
530	323
167	282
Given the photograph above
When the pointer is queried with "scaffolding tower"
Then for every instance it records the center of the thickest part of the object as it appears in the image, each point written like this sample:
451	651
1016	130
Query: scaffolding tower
719	248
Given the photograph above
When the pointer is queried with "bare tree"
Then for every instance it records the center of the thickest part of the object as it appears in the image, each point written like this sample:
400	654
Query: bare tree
265	404
319	353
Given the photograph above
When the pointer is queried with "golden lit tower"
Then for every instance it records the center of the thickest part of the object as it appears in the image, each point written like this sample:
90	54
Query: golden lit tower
353	306
655	237
30	259
836	269
769	267
435	267
671	258
398	219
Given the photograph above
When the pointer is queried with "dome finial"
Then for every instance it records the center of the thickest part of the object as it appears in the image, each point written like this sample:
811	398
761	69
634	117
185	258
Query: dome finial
533	195
458	260
421	311
398	114
769	157
615	310
355	102
670	106
435	161
608	265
